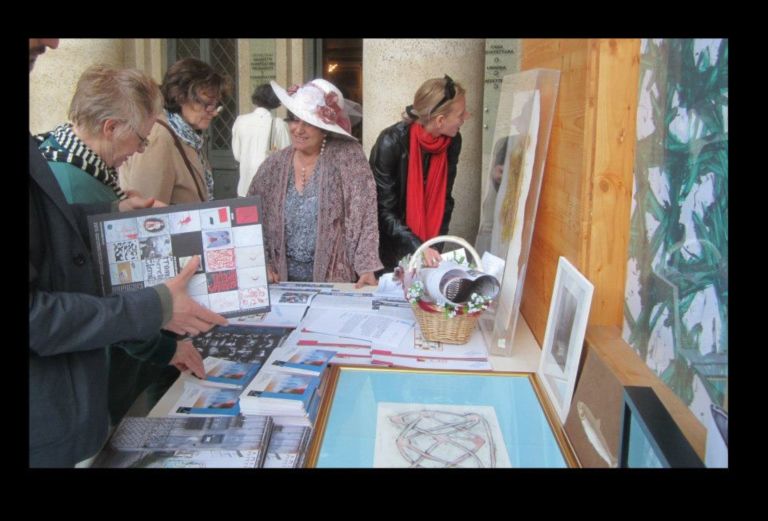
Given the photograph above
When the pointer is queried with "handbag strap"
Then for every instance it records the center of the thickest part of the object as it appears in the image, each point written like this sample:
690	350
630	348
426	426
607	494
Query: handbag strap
177	142
271	145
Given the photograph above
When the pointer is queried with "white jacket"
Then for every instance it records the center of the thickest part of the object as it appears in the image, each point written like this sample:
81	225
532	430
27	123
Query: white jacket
254	137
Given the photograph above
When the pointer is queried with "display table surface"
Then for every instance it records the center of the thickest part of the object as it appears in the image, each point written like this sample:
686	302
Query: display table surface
525	358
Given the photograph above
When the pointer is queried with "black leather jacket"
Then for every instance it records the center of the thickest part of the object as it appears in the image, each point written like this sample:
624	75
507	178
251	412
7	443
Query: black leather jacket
389	162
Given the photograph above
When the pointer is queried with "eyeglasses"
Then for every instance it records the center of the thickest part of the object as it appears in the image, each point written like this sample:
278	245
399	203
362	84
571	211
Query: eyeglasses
143	141
450	93
210	106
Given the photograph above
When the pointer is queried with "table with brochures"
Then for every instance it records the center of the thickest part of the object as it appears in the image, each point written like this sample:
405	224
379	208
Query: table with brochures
496	423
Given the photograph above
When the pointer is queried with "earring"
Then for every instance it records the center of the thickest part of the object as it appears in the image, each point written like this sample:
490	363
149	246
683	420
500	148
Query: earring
322	145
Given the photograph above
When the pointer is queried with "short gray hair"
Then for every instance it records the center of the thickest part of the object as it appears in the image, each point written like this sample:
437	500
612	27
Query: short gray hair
105	92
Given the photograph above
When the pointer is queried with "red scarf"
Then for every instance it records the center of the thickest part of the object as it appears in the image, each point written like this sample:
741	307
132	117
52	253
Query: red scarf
424	213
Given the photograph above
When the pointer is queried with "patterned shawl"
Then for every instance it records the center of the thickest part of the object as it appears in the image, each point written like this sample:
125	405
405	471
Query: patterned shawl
72	150
194	139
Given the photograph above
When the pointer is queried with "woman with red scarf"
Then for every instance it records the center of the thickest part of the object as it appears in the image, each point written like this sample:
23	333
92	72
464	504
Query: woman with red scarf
414	164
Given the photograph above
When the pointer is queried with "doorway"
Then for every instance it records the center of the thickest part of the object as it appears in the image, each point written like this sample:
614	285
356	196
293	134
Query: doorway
342	62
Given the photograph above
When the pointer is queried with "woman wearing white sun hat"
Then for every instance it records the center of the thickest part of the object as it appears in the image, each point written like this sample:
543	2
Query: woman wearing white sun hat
318	195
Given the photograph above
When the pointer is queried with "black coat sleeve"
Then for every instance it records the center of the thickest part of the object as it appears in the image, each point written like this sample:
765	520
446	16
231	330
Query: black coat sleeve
386	163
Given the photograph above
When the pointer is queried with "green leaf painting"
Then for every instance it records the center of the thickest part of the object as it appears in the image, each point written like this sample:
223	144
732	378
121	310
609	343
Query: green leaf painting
676	299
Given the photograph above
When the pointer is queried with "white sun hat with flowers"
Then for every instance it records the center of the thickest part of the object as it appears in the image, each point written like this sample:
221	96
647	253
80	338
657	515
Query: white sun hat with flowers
319	103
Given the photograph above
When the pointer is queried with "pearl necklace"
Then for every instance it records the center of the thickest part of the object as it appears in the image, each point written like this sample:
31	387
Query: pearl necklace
306	170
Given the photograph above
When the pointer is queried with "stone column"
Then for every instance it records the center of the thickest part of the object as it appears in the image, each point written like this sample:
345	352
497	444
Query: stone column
394	69
52	82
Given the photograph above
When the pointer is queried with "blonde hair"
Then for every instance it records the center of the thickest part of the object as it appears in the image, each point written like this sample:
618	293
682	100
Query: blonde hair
104	92
427	96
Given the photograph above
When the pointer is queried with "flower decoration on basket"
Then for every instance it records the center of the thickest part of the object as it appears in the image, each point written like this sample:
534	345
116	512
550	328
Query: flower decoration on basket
474	306
447	299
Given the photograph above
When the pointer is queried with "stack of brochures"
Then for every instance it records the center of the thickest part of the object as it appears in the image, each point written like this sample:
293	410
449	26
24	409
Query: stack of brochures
293	397
287	447
218	394
236	441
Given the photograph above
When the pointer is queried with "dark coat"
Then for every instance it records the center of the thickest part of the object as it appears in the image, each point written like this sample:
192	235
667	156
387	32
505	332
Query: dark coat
69	326
389	162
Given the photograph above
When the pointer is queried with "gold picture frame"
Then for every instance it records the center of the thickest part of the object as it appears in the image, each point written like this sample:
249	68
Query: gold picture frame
515	425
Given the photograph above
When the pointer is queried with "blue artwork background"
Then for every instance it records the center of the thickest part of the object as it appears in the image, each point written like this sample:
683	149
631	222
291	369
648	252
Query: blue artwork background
350	435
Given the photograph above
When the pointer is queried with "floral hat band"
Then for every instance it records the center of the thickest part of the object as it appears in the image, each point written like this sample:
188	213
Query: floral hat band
319	103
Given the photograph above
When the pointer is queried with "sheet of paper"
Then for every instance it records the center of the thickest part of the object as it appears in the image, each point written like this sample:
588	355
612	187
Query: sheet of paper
380	329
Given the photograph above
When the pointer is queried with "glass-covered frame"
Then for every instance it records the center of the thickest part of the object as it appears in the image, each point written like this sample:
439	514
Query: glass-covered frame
650	438
346	430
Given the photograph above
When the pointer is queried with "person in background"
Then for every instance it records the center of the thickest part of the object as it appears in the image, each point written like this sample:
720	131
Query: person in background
111	112
69	324
318	194
174	167
414	164
258	134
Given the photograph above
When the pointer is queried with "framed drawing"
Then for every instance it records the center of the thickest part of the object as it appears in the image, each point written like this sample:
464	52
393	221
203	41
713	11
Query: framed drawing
381	417
650	438
564	336
143	248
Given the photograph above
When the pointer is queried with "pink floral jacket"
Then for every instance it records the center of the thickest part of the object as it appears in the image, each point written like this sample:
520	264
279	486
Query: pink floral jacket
347	230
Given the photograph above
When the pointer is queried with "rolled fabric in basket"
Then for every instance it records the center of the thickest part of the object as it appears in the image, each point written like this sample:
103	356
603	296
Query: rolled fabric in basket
454	283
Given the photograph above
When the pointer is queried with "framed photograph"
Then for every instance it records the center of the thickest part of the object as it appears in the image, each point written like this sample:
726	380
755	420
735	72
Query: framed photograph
564	336
650	438
594	421
381	417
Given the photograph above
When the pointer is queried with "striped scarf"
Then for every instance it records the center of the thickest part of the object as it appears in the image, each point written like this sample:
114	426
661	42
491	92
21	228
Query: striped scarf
72	150
194	139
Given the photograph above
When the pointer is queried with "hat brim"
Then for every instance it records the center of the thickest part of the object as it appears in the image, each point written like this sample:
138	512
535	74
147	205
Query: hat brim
305	115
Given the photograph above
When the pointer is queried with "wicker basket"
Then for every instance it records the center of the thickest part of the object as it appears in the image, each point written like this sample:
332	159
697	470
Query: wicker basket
435	326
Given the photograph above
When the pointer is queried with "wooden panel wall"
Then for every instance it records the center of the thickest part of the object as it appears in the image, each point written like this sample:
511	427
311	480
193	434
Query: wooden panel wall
586	196
585	201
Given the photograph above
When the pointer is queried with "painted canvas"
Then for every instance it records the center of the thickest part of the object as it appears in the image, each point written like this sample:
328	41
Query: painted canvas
508	211
676	296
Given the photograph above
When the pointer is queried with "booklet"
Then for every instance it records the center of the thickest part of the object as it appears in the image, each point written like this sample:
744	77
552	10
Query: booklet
142	248
163	433
208	401
302	360
222	371
179	459
279	316
241	343
287	447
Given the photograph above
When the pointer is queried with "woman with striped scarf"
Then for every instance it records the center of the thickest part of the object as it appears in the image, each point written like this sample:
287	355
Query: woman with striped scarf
111	114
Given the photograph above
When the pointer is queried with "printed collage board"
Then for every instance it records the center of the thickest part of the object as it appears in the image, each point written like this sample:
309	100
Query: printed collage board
146	247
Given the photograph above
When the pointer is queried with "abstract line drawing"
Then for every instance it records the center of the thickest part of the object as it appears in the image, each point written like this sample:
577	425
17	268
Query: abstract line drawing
439	436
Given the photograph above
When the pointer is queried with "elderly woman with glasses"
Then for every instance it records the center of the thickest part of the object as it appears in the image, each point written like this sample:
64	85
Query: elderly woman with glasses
174	168
414	164
318	194
111	112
